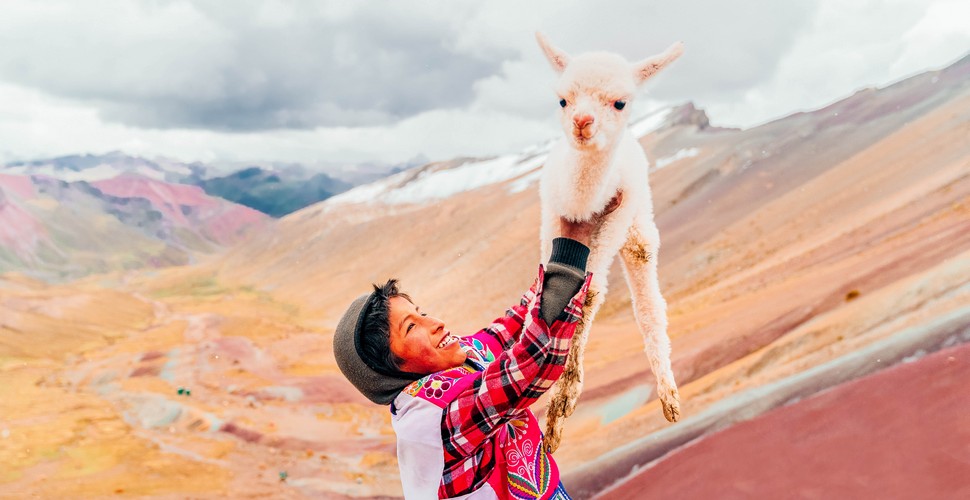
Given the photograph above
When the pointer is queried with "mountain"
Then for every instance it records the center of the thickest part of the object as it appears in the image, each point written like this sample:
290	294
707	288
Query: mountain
784	246
274	188
90	167
816	270
59	230
152	213
273	193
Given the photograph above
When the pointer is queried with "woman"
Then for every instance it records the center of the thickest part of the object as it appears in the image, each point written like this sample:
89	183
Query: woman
460	405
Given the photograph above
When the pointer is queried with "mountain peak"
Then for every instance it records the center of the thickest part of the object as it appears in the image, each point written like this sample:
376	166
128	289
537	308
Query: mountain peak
688	114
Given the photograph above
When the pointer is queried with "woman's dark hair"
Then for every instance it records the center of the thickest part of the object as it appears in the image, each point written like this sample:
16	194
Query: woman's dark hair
375	334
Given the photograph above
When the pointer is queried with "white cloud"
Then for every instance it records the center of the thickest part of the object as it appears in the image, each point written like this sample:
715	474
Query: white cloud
730	46
77	73
851	45
171	64
938	38
33	124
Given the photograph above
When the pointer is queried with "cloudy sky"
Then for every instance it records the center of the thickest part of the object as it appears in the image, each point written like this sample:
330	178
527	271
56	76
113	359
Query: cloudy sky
336	81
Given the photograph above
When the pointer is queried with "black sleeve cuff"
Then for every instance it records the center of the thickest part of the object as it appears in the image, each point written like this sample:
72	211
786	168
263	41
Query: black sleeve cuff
569	253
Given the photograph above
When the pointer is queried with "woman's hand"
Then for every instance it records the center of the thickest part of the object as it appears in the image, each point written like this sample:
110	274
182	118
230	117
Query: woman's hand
583	231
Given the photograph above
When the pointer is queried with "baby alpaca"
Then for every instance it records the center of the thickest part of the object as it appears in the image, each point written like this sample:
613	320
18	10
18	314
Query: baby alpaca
597	158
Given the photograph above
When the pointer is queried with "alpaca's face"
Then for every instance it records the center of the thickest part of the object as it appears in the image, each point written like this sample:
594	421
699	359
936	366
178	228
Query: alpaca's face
595	94
596	89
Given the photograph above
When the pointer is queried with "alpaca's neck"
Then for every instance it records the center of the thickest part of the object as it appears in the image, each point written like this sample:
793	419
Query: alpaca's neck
590	167
587	180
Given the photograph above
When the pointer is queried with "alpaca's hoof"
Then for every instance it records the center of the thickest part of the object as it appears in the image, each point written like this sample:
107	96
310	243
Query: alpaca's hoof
550	442
553	434
555	420
670	399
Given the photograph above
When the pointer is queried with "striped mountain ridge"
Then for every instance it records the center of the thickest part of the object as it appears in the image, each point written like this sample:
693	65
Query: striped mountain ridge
783	246
57	230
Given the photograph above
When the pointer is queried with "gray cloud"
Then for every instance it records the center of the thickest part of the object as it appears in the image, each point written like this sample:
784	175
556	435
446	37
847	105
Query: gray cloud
334	80
256	66
731	47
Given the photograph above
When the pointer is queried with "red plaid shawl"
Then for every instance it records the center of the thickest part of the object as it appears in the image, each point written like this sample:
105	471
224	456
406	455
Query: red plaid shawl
485	402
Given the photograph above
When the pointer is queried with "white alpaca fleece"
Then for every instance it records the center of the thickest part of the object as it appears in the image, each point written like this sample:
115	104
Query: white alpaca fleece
597	158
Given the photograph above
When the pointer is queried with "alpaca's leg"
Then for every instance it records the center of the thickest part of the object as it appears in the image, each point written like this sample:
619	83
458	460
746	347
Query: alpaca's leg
639	257
606	244
570	384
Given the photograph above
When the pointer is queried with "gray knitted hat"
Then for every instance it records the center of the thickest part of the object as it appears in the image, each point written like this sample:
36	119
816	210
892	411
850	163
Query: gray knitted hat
378	386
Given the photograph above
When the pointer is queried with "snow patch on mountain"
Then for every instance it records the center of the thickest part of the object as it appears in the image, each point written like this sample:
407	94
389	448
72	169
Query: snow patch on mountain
649	122
472	175
96	173
679	155
433	182
92	168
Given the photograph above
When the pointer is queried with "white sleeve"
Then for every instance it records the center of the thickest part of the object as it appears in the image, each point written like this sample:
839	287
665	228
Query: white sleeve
420	454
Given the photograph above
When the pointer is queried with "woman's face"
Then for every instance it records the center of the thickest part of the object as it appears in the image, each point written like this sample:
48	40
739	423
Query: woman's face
421	340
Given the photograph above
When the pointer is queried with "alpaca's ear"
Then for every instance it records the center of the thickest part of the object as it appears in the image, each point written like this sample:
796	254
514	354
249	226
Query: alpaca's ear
557	58
650	66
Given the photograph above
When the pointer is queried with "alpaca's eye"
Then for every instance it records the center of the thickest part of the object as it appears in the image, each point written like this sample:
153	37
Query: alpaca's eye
619	104
562	103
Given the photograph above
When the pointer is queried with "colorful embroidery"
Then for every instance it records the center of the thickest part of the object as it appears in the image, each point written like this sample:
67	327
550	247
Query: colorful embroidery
483	350
529	470
413	388
516	428
560	493
436	387
436	384
477	353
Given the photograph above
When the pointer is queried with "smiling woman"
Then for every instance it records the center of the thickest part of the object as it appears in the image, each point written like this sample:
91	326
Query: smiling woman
402	341
421	342
453	398
460	405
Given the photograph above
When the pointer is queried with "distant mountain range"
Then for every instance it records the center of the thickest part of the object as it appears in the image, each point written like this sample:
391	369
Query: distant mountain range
275	189
55	229
65	217
90	167
272	192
